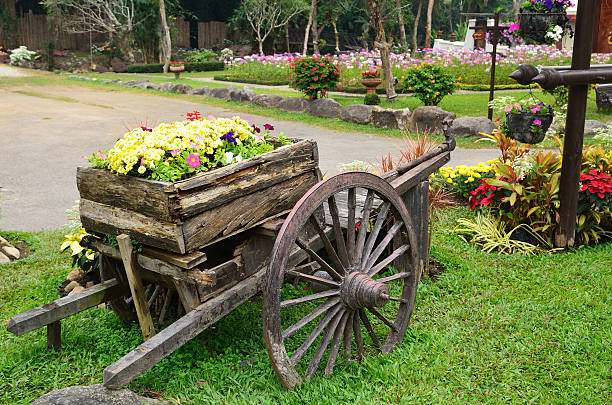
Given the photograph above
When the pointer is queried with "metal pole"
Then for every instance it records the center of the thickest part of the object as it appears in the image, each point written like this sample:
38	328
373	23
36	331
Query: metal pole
574	126
495	40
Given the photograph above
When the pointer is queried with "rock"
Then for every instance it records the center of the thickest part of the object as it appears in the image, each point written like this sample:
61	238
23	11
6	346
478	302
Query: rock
76	289
472	126
3	241
294	104
402	116
4	259
591	125
383	117
358	113
11	252
202	91
222	92
243	95
325	107
93	395
118	65
249	94
182	89
267	100
89	284
135	83
168	86
75	274
152	86
71	286
101	69
428	119
107	81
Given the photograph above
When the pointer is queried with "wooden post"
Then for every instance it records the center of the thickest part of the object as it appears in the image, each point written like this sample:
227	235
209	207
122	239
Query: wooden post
494	41
140	302
54	335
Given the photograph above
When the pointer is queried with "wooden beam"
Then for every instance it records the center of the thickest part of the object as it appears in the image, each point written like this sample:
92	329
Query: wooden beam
419	173
64	307
140	302
54	335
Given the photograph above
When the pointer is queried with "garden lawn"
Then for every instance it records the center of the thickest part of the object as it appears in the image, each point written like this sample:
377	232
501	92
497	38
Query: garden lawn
491	329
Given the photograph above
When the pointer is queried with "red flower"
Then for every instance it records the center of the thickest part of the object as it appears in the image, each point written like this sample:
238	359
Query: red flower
195	115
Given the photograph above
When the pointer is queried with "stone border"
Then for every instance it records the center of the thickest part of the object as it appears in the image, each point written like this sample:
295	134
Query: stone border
8	252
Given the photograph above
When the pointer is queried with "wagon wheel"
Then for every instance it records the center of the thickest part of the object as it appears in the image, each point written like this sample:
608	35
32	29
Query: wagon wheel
162	300
355	289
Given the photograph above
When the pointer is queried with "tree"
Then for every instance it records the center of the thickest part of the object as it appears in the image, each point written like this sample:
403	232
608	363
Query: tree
112	17
165	43
382	45
400	20
428	28
311	15
416	26
264	16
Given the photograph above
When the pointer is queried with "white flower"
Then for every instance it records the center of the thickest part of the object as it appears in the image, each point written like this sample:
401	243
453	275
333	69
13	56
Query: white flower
229	158
238	158
142	169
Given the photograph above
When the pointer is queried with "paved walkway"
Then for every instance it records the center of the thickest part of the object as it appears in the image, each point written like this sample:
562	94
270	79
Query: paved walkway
46	132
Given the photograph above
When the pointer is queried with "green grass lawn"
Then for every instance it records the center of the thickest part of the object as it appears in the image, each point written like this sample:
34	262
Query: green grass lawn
491	329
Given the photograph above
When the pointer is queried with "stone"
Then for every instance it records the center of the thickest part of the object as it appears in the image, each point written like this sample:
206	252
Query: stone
243	95
267	100
71	286
75	274
202	91
135	83
167	86
591	125
3	241
294	104
4	259
383	117
325	107
472	126
107	81
222	92
182	89
101	69
428	119
151	86
76	289
248	93
402	116
94	395
11	252
118	65
358	113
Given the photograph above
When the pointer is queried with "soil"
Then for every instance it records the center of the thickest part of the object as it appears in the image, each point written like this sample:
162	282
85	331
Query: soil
435	269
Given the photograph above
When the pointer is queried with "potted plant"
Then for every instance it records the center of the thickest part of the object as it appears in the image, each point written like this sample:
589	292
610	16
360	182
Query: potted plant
177	67
527	122
371	80
544	21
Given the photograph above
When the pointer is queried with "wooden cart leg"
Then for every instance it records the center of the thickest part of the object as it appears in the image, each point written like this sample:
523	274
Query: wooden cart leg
54	335
140	302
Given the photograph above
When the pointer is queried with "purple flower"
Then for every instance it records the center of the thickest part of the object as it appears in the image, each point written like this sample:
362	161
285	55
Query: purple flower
229	137
268	127
256	129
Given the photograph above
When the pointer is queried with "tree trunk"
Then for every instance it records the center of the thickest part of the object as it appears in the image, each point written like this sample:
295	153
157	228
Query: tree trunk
313	6
125	46
383	46
336	35
516	5
287	44
416	25
428	28
164	43
260	41
315	33
400	20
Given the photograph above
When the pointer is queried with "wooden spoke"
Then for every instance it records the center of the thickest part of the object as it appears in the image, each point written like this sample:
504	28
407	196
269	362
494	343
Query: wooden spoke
393	277
397	299
348	335
382	319
154	295
380	220
369	261
329	248
165	306
350	227
295	301
363	227
316	359
297	355
396	253
333	210
307	268
369	328
319	260
316	279
358	337
290	331
335	346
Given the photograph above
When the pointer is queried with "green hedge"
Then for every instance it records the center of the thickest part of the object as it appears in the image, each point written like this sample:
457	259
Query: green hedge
189	67
228	78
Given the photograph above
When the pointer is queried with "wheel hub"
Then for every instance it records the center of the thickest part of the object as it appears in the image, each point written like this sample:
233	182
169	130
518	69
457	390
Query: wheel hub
359	291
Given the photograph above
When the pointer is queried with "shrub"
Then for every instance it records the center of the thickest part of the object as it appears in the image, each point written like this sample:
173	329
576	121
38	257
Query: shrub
202	55
429	83
146	68
314	76
21	56
371	99
189	67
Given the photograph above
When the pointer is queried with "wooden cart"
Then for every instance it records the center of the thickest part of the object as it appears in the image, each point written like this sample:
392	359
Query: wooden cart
212	242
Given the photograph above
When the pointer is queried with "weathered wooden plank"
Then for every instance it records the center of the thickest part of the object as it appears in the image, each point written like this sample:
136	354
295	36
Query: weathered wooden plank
245	212
188	294
186	261
64	307
114	221
128	192
140	302
300	148
174	336
54	335
419	173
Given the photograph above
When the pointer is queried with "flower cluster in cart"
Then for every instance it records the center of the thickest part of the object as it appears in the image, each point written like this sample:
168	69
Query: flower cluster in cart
176	150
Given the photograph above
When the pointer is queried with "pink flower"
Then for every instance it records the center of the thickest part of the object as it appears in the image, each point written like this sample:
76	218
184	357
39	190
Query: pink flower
508	109
518	106
193	160
537	122
100	156
175	152
513	27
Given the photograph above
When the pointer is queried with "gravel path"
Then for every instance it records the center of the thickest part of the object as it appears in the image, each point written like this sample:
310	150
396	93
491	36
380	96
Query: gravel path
47	130
11	71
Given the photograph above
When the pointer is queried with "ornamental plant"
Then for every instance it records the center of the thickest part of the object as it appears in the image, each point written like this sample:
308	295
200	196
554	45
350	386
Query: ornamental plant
429	83
176	150
525	106
370	74
21	56
557	30
463	180
177	63
314	75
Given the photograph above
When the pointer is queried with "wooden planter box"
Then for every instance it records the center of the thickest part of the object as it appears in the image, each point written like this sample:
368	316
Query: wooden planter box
189	214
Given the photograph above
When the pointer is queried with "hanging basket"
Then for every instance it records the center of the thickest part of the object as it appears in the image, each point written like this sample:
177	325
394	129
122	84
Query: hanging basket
519	126
535	25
